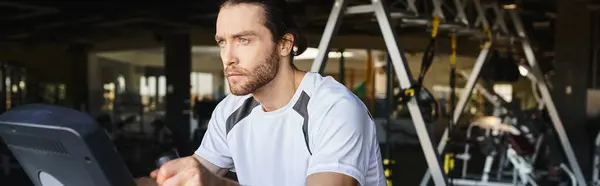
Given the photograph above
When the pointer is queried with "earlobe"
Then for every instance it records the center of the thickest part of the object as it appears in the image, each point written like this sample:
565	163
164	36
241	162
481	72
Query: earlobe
282	51
285	49
287	44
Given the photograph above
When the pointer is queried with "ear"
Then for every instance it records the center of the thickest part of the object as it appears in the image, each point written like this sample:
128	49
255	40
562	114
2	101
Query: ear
286	44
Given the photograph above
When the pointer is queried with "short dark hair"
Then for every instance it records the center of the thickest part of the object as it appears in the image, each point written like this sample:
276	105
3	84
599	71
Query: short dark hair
278	20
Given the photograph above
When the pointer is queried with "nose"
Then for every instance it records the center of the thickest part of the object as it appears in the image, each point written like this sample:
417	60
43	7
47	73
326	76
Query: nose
228	55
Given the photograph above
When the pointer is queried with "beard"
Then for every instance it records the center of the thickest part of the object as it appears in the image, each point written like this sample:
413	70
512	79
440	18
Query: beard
257	77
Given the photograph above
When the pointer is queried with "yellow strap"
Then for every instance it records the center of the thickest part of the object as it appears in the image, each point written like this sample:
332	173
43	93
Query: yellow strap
488	33
436	24
453	57
409	92
448	162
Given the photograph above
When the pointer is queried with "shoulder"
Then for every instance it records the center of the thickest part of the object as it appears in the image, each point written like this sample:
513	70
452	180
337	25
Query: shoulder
328	95
333	106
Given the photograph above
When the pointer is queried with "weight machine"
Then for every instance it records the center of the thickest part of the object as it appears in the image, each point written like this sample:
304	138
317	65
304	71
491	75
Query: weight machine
534	70
378	8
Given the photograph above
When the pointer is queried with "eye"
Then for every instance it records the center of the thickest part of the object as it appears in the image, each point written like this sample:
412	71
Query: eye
221	43
244	41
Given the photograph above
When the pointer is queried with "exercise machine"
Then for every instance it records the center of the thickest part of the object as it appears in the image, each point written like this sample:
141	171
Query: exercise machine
62	147
541	85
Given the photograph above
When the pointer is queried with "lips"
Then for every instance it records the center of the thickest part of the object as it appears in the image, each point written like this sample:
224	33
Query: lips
231	74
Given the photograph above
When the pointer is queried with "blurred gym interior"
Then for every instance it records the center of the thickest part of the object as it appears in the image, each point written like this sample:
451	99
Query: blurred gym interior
130	66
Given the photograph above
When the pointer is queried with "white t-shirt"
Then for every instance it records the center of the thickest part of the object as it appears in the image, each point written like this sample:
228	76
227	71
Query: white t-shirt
270	148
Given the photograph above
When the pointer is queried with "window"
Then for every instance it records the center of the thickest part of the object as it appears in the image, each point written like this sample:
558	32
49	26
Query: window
201	84
143	86
162	86
121	83
152	86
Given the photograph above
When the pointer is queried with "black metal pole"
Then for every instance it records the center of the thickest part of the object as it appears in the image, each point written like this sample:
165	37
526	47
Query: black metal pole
389	70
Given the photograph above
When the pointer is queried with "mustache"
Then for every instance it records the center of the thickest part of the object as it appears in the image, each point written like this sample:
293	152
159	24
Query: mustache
234	70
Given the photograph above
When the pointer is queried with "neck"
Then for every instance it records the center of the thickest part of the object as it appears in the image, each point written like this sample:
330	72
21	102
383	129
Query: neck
281	89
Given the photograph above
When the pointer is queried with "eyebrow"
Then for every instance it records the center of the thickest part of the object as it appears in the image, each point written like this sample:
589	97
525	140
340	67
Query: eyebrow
240	34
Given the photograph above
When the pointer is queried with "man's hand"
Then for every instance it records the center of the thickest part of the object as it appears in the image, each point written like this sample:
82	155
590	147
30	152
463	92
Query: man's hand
145	181
185	171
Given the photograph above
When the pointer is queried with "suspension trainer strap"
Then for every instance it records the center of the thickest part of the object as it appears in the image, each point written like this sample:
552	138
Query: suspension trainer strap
452	83
449	156
426	62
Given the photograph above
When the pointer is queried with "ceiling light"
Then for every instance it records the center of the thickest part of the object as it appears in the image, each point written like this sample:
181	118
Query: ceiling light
311	53
510	6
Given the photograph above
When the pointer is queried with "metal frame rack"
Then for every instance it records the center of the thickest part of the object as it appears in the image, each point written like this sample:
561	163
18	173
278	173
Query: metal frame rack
395	51
400	67
537	74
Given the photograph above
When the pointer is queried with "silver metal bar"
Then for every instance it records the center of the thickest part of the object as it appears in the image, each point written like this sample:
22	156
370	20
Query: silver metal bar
401	69
437	9
571	175
359	9
531	181
489	96
468	90
538	145
411	7
481	20
466	153
489	160
500	166
333	24
467	182
461	17
500	23
546	97
515	176
462	101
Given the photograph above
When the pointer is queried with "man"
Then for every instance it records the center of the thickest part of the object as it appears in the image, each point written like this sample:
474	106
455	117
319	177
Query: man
280	126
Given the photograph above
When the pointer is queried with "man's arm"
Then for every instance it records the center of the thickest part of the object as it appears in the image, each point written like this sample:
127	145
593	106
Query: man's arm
213	151
183	171
329	178
342	140
218	171
211	167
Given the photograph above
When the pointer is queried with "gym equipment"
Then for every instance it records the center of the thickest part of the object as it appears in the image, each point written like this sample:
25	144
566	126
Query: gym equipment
462	101
378	7
63	147
536	72
534	135
500	105
547	98
495	124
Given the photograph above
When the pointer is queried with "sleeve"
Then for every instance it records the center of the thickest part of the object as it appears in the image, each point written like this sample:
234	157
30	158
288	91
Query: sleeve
341	141
214	146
